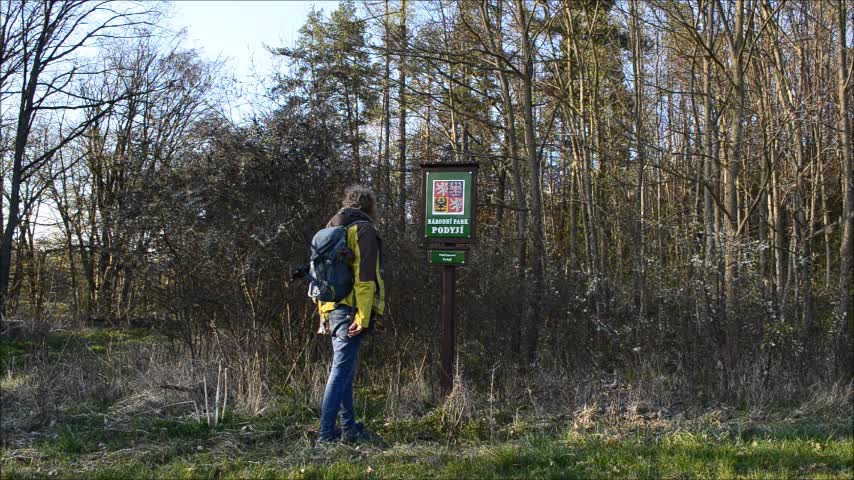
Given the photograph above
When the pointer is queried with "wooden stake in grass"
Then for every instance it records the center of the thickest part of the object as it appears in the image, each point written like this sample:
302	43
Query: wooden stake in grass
216	395
207	408
225	392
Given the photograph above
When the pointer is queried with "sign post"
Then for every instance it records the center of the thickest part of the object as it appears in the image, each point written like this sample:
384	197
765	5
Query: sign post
449	328
449	224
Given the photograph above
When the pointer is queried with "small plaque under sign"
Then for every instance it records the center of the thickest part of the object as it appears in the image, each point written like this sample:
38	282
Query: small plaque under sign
447	257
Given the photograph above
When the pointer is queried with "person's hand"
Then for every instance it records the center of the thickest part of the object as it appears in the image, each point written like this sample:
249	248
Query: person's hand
324	327
354	330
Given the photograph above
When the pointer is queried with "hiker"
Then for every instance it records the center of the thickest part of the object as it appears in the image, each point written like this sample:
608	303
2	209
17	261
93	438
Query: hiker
347	320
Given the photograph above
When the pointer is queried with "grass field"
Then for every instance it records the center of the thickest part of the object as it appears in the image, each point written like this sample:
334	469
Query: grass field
128	433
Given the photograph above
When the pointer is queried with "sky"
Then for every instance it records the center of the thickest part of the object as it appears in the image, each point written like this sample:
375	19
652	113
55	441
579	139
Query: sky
236	31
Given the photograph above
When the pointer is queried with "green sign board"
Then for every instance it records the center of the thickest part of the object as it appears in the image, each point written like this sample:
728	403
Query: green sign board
447	257
449	204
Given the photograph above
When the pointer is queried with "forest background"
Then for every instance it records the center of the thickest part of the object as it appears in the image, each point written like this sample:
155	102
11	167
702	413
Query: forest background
665	196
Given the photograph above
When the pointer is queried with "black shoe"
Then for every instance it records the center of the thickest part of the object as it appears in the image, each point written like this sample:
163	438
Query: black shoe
334	439
359	434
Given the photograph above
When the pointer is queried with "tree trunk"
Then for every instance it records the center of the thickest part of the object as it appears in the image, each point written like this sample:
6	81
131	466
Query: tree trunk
401	119
638	272
846	249
736	40
536	224
386	127
709	128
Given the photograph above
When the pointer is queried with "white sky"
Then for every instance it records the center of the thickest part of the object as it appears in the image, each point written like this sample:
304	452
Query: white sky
237	31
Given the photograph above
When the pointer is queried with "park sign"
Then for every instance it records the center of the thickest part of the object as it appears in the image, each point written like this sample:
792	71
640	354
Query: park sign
447	257
448	222
450	202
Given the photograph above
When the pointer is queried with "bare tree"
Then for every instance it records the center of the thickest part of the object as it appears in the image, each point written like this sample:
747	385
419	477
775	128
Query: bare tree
48	64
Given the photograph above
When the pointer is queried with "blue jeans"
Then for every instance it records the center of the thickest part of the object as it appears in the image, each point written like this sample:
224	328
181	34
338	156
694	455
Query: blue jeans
338	396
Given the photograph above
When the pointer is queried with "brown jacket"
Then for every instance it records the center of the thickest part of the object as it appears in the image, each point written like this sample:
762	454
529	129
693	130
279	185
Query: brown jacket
368	294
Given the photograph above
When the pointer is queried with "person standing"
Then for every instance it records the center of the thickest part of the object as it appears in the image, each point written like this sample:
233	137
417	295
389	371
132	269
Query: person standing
347	320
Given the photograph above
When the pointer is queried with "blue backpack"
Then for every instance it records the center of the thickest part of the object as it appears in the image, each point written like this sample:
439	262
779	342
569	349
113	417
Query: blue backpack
329	265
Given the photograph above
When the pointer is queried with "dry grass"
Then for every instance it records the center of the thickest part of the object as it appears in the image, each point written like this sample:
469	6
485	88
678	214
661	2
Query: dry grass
407	389
118	403
32	328
121	380
131	379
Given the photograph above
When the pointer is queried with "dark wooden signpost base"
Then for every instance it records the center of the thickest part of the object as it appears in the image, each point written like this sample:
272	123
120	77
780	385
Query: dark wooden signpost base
449	257
448	353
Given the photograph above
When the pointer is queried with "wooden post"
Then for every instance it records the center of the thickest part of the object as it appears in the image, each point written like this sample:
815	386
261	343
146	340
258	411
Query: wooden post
448	347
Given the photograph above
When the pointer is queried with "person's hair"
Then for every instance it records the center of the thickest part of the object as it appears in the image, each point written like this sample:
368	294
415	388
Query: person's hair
361	197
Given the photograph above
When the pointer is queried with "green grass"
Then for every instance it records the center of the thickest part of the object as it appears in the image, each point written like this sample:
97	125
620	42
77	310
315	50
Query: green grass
278	445
61	344
97	339
10	348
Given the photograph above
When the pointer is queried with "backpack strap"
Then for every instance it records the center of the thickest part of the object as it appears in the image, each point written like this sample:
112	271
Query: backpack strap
357	222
